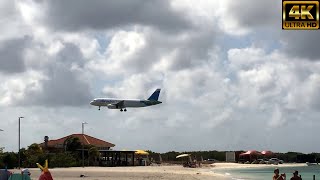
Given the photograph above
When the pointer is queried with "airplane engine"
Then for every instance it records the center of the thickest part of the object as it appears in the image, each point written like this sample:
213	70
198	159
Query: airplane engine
112	106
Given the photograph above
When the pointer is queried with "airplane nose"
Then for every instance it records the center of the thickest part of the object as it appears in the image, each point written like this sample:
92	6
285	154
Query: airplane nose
91	102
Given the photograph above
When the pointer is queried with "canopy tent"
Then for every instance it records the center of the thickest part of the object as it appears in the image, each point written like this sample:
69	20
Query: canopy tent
267	153
141	152
249	155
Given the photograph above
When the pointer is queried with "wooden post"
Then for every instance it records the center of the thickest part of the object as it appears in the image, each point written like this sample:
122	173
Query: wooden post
127	159
133	159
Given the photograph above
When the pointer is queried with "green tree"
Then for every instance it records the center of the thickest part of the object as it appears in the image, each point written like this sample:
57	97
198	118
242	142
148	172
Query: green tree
33	154
35	149
10	160
93	155
63	160
72	144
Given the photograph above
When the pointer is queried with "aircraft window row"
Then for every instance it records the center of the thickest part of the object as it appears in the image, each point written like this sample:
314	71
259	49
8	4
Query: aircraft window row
108	101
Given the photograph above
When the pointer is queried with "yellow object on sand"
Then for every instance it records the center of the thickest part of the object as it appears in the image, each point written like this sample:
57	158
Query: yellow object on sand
45	168
45	174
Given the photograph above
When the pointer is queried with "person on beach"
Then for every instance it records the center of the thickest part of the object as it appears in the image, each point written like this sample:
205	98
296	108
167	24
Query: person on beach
296	176
278	176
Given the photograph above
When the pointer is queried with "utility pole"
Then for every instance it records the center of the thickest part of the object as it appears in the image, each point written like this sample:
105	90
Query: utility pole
83	123
19	144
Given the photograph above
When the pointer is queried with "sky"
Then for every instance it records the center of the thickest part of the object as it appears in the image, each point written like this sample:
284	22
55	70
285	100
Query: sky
230	77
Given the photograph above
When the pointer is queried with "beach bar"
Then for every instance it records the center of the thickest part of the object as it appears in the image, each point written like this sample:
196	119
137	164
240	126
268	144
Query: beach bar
117	158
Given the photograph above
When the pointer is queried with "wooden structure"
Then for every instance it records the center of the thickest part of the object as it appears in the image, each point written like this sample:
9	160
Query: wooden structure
117	158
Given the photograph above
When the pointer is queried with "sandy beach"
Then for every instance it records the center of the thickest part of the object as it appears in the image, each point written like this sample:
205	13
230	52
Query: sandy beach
172	172
129	173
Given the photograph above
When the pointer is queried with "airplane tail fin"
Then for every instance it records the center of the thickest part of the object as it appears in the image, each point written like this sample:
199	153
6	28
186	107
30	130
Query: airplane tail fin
155	95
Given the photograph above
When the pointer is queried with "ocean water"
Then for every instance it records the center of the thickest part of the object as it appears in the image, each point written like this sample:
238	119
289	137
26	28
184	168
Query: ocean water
266	173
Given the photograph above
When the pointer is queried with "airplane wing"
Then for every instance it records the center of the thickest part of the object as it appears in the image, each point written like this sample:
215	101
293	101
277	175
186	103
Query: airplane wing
119	104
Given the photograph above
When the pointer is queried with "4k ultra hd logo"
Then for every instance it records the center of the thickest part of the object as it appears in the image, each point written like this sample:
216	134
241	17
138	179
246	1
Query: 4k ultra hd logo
303	15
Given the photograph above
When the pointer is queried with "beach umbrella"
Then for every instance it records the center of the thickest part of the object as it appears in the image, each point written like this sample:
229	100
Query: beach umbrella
183	155
251	155
141	152
252	152
267	153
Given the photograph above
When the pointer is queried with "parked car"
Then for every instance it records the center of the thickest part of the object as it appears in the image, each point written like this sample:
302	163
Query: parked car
262	161
212	160
275	161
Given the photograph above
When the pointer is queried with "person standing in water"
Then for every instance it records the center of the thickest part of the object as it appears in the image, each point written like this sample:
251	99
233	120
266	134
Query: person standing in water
278	176
296	176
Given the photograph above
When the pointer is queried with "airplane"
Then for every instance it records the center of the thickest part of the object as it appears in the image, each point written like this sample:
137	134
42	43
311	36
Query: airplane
123	104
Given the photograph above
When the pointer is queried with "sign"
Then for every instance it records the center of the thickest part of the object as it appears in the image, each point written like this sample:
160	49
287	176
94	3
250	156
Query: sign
300	15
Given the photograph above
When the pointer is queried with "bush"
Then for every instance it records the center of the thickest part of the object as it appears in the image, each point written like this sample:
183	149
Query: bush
63	160
10	160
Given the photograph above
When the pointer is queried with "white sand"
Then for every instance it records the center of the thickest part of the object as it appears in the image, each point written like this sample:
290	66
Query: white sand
130	173
173	172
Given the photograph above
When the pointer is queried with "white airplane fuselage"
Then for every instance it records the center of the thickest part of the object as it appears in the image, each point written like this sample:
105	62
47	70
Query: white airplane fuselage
115	103
109	102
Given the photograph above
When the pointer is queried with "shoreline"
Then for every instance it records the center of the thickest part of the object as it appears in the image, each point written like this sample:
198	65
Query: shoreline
237	165
255	171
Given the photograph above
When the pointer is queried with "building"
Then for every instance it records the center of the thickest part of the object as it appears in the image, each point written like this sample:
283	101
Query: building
108	157
59	144
231	156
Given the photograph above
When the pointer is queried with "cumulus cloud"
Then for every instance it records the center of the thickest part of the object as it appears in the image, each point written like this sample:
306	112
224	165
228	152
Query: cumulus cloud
264	17
99	15
144	50
65	84
252	14
226	71
302	45
12	55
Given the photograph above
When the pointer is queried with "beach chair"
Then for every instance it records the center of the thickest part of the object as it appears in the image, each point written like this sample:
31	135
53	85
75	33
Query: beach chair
19	177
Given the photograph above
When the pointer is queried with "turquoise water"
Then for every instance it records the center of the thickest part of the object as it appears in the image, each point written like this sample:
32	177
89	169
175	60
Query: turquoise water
266	173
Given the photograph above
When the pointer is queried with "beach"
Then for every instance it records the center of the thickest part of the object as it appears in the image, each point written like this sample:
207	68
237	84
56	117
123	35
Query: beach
170	172
173	172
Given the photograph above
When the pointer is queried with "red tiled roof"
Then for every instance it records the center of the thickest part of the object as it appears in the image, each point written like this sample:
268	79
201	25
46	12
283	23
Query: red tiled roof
83	138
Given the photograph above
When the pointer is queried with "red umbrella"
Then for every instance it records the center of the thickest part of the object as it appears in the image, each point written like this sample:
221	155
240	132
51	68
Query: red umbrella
252	152
250	155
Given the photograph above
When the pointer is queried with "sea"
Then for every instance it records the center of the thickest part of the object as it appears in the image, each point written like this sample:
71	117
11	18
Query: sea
266	173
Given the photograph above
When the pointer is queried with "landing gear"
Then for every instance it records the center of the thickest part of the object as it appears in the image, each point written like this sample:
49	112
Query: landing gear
99	108
123	110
